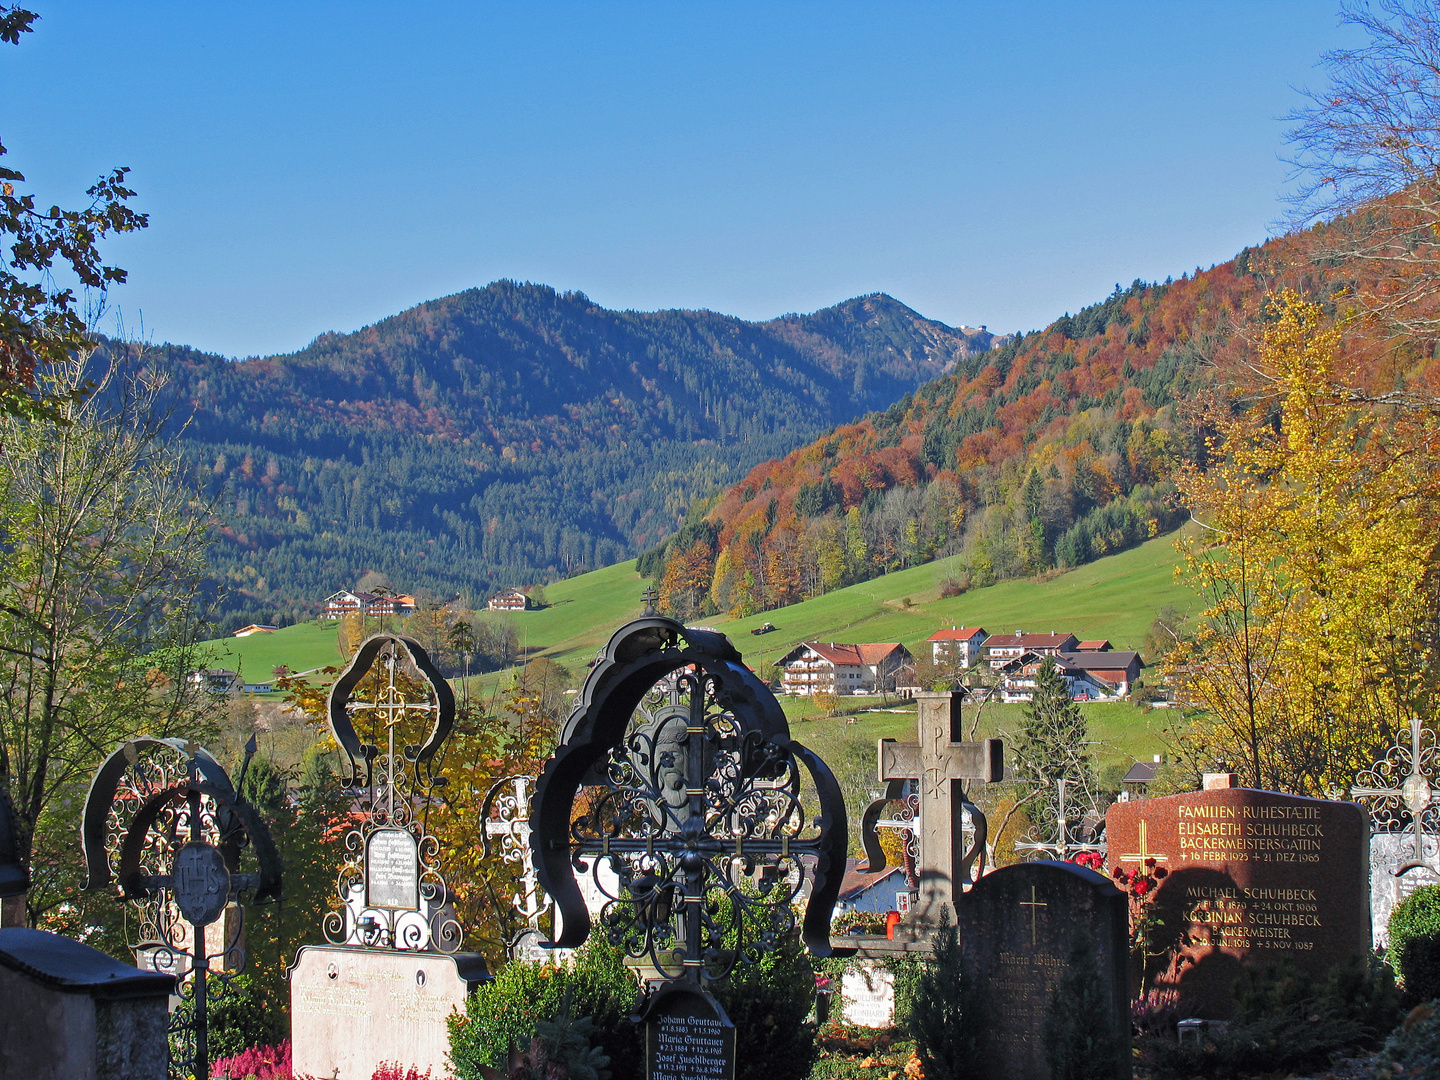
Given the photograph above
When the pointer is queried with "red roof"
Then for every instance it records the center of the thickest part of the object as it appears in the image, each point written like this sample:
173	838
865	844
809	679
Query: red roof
857	880
868	653
1029	641
964	633
1099	645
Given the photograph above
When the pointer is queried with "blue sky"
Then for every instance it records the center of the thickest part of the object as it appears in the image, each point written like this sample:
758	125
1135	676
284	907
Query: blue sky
312	167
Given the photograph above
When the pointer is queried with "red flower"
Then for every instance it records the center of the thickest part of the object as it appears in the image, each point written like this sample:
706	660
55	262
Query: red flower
1140	886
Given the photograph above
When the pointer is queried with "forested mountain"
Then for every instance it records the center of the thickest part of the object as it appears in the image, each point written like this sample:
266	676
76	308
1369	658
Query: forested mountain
1051	450
511	434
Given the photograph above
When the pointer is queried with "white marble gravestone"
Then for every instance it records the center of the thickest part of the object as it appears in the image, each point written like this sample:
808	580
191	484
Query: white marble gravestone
1389	852
353	1008
868	996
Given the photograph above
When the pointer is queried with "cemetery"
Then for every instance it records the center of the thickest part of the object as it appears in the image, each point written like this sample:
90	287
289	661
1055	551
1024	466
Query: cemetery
669	876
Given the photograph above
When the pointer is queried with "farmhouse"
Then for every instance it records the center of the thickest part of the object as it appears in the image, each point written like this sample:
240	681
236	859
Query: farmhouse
815	667
1091	676
958	645
371	605
508	600
1003	649
885	890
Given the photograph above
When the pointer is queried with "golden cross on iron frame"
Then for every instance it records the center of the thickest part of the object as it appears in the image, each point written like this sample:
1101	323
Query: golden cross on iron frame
1140	857
1033	904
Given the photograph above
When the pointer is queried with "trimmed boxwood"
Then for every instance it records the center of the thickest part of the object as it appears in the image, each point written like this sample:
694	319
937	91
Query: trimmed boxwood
1415	943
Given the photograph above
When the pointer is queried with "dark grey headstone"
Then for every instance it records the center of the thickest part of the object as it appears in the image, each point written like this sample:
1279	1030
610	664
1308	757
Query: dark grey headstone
392	870
688	1036
1018	929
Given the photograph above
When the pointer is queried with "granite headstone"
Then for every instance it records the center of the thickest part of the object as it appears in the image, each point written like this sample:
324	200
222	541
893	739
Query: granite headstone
1253	876
687	1036
868	996
1018	927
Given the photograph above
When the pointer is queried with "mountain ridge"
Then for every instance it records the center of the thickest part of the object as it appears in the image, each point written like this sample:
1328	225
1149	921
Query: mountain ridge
514	433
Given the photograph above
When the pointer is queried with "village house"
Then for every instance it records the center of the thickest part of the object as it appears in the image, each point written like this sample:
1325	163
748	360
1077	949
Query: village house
508	600
215	680
957	645
371	605
877	893
815	667
1091	676
1003	649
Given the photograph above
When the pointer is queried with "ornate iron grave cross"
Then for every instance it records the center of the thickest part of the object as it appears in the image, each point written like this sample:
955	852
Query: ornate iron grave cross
1062	847
1391	799
391	888
506	818
694	798
941	762
163	820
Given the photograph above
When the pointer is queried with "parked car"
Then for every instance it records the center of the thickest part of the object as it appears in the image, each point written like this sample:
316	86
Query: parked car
764	628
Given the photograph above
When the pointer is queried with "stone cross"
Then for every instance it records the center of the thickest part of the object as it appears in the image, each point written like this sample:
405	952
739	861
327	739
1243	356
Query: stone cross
941	761
1062	847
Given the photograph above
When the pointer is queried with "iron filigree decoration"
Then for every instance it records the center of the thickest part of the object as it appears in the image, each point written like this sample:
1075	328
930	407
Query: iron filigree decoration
1399	790
394	785
505	821
901	800
695	803
163	821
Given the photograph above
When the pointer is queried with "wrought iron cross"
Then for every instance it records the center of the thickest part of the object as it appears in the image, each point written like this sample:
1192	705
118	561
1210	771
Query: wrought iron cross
506	815
1379	788
1061	848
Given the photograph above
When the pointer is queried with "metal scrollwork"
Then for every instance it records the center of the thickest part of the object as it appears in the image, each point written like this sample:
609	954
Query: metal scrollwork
163	822
1399	790
394	788
696	800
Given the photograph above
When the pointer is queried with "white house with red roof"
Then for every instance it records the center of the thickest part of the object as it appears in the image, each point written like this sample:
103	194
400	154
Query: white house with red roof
959	644
1004	649
815	667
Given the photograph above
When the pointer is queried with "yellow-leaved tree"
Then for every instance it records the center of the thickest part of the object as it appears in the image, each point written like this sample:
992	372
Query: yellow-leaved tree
1314	559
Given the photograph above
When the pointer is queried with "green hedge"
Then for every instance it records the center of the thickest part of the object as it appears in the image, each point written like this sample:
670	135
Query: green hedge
1415	943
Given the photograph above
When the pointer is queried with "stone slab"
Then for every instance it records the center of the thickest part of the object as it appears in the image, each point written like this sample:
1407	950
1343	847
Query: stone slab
1389	852
70	1012
1254	876
352	1008
688	1036
1017	929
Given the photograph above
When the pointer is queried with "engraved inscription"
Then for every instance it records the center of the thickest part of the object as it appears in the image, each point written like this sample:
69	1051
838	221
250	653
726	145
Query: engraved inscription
392	870
1230	834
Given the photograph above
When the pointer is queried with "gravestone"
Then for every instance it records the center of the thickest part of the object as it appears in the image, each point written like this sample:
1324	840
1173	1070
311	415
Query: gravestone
941	762
383	987
687	1036
868	996
69	1012
354	1008
1253	876
1017	928
1388	853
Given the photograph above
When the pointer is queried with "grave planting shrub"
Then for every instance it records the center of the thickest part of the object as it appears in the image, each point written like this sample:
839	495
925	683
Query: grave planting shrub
1076	1047
768	1002
1414	950
240	1019
1286	1020
512	1006
1413	1051
943	1013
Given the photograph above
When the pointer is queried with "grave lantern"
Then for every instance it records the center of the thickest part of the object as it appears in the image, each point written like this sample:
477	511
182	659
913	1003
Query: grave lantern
710	816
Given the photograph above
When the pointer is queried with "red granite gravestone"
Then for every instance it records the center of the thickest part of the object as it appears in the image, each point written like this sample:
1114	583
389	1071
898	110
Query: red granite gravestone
1252	877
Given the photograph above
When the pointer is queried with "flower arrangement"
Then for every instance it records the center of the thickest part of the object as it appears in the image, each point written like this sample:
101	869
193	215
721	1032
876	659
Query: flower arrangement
256	1063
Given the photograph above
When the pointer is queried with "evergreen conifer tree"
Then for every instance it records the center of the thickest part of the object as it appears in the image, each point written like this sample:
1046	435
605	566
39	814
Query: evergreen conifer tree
1054	744
942	1017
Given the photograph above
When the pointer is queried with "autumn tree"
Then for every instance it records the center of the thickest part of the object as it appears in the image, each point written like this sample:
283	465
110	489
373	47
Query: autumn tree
1314	559
43	322
101	573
